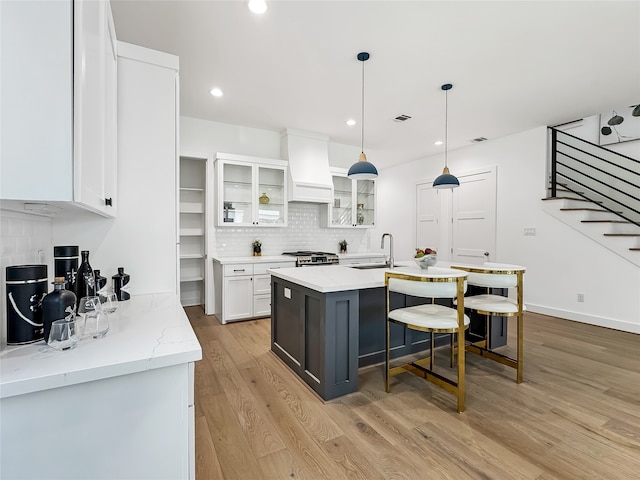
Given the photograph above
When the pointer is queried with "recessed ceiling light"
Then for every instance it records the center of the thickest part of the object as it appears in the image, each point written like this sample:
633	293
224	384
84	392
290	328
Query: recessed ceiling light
216	92
438	142
257	6
351	122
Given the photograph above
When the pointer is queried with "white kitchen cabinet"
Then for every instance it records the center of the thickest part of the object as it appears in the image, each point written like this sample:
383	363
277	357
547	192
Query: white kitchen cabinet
250	191
193	227
59	84
95	80
237	293
128	401
243	290
353	204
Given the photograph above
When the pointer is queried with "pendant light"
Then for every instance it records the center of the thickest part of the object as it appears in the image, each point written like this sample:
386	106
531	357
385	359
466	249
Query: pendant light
446	180
362	169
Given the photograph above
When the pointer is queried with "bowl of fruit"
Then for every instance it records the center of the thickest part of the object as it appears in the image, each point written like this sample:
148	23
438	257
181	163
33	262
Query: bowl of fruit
425	258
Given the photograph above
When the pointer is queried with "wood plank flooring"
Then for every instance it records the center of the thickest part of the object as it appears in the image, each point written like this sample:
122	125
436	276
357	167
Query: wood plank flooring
576	416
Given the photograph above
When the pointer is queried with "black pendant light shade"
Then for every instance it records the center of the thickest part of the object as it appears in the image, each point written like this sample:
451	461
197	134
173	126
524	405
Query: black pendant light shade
446	180
362	169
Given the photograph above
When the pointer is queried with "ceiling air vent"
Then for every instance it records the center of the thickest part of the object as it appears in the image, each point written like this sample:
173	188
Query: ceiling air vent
402	118
479	139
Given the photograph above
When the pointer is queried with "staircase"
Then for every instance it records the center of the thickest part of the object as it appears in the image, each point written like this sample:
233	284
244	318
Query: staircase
597	192
589	218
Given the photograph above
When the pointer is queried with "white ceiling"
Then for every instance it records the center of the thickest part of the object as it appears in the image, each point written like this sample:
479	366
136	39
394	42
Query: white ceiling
515	65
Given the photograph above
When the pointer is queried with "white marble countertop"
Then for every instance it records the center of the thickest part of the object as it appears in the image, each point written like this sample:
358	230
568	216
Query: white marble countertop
336	278
259	259
146	332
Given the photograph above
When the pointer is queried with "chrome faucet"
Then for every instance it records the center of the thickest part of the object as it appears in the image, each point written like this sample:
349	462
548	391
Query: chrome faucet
390	262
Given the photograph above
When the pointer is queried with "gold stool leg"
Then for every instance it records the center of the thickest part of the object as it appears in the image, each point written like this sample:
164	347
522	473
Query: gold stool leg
452	354
432	352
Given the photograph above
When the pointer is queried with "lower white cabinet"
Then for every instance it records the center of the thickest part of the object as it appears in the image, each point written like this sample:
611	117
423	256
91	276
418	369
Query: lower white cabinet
243	290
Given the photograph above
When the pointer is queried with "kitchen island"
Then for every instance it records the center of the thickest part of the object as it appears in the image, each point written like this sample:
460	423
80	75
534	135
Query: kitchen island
328	321
119	407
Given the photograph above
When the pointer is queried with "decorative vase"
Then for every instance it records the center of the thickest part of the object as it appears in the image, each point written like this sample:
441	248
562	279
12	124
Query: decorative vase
257	251
263	198
343	249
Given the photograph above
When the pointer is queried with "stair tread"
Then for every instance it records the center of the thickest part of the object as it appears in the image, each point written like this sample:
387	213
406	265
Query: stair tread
586	209
626	222
577	199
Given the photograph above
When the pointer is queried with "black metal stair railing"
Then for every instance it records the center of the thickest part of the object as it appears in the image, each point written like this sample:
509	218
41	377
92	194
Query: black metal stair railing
610	179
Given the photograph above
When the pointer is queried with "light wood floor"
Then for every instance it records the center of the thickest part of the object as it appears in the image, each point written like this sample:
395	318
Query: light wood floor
577	415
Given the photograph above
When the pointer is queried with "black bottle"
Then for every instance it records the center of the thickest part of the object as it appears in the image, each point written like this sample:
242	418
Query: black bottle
120	280
57	305
85	281
101	281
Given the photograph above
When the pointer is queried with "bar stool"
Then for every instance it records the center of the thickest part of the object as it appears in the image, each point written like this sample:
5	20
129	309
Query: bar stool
433	318
497	275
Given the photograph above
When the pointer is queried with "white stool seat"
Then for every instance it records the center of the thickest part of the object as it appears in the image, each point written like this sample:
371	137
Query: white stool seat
493	304
429	316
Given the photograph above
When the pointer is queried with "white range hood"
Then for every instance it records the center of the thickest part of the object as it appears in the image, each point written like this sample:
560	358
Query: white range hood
308	155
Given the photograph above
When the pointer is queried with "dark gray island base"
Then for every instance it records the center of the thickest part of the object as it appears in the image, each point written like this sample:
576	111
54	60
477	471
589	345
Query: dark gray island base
325	337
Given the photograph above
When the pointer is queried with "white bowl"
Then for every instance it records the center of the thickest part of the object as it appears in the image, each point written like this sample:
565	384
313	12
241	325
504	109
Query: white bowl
426	261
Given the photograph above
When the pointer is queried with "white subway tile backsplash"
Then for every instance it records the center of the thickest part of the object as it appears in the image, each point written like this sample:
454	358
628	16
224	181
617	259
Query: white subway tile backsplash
302	233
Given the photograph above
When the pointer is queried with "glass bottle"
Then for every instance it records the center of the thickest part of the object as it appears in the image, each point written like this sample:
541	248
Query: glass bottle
56	305
85	281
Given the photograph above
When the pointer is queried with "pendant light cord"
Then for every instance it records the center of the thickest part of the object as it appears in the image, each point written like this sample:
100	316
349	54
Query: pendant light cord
446	126
362	118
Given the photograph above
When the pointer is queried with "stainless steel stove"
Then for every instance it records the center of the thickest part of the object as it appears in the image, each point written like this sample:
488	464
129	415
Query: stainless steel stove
309	259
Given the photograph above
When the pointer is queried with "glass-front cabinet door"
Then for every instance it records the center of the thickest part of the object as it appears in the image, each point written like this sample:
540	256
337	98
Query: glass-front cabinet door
237	194
342	208
271	196
251	192
354	202
365	193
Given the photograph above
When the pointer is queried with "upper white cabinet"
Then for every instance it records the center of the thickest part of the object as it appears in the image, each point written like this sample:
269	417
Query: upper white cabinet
354	202
250	191
95	101
58	88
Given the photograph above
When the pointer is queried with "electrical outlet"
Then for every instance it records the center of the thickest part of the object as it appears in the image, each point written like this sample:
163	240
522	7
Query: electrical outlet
530	232
581	297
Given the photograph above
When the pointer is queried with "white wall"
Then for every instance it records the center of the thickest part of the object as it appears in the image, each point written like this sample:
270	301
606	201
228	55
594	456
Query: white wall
560	261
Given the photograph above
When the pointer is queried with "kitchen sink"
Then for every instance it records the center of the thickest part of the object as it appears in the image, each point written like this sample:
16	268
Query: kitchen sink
369	267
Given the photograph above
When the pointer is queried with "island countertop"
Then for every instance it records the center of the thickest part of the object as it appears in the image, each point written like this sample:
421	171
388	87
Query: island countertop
146	332
335	278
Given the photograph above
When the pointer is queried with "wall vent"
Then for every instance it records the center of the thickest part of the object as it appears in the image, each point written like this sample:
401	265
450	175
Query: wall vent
402	118
479	139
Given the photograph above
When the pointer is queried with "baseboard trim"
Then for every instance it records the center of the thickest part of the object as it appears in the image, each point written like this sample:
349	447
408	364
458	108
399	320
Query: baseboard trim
585	318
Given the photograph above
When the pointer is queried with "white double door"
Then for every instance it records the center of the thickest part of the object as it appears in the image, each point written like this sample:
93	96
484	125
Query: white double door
460	223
